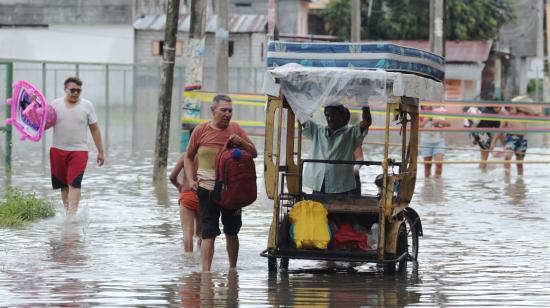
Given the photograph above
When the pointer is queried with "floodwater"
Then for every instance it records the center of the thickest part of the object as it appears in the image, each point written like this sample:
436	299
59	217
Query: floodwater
485	244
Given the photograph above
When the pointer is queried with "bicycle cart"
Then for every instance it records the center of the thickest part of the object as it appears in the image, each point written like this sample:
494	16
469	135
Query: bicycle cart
303	78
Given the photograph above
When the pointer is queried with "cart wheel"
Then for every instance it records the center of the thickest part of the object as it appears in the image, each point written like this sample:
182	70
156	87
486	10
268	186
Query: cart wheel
272	264
412	235
284	264
402	247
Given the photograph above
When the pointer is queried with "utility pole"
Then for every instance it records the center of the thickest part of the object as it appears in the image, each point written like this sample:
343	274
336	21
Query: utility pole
546	94
222	47
272	19
165	96
355	21
369	13
193	61
437	39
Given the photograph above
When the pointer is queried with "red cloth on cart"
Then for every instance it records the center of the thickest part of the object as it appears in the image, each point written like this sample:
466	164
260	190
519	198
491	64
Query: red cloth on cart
348	238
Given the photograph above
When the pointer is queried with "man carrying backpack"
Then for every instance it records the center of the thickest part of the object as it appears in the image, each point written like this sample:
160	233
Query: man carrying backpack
207	140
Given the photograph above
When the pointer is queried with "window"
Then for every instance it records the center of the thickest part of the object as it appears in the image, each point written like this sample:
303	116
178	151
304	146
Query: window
243	4
231	48
158	48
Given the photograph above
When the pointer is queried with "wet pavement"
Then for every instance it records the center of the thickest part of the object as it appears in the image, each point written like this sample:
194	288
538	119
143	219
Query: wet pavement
484	244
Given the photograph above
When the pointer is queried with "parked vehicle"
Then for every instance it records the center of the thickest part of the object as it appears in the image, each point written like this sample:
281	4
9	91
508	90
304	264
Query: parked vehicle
295	92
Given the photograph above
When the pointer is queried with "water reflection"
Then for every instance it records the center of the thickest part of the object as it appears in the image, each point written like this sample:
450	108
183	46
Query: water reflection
433	190
485	246
210	290
67	248
71	292
324	290
516	189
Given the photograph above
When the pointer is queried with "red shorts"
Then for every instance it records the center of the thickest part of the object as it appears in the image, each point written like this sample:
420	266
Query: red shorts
67	167
189	199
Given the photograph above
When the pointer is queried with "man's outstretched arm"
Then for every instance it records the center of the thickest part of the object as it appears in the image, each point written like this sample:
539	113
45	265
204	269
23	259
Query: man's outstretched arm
367	119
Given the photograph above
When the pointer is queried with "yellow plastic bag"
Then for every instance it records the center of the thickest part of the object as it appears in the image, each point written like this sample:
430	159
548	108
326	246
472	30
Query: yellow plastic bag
310	225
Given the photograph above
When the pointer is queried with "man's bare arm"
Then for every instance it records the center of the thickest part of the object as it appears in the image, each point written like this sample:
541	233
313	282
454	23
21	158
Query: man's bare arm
96	136
367	119
176	171
190	170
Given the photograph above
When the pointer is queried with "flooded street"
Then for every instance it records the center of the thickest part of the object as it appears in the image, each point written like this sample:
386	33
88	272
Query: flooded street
485	243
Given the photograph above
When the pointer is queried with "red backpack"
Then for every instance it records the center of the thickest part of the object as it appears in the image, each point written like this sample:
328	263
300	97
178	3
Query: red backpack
235	185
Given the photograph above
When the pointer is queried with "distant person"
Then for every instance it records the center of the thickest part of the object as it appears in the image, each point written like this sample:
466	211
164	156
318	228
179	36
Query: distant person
335	141
432	143
485	140
188	204
69	150
205	143
516	143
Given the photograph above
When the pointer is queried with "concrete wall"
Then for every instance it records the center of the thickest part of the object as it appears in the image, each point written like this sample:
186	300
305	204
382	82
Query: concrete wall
248	6
520	35
247	63
287	18
29	12
69	43
524	38
156	7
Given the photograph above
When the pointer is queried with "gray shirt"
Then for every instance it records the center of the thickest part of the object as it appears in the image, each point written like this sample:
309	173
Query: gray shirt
70	132
338	178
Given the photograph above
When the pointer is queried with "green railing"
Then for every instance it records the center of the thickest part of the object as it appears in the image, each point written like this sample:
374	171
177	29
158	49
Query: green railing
7	129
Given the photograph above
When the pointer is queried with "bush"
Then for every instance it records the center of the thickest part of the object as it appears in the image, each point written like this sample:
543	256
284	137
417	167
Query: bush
20	208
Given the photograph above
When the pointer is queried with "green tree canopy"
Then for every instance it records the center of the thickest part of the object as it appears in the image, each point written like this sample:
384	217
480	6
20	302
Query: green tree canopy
409	19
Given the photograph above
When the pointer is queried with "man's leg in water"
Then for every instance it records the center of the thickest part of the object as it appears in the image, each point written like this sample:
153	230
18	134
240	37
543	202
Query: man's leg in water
65	197
232	242
74	199
207	253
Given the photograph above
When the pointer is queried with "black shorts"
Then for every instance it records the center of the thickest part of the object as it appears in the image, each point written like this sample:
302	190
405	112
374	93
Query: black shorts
210	217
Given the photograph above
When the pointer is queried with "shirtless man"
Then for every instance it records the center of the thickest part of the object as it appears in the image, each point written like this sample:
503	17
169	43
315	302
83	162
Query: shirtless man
516	143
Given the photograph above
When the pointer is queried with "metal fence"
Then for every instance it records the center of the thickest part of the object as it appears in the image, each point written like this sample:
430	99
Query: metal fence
125	97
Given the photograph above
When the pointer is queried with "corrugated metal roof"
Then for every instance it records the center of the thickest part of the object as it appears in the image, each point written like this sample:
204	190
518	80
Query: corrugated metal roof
456	51
237	23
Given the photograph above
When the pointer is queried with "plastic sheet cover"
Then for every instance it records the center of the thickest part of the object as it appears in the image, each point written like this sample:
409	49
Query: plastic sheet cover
309	88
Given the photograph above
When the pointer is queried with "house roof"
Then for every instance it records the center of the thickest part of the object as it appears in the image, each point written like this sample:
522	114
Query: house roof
456	51
237	23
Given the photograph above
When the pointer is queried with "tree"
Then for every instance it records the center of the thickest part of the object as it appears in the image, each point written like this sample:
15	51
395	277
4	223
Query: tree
409	19
337	18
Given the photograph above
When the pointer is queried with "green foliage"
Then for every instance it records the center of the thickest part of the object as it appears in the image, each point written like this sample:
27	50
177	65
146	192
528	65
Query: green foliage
476	19
337	18
20	208
409	19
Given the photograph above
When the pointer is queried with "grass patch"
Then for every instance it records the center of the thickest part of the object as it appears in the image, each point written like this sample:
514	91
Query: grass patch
19	208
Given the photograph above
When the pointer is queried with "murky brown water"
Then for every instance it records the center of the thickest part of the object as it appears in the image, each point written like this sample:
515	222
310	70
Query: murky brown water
485	243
